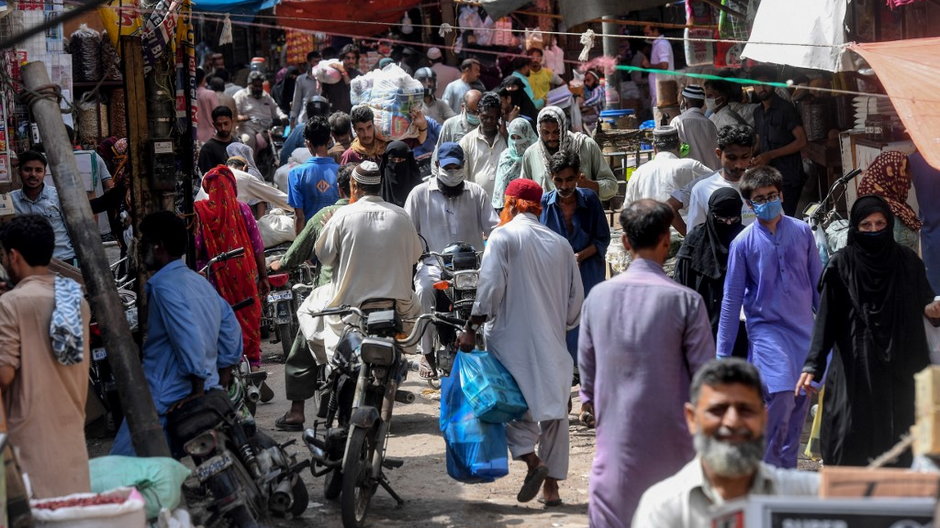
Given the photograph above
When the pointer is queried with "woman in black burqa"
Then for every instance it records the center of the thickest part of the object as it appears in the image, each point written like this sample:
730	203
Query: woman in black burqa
702	261
874	298
400	173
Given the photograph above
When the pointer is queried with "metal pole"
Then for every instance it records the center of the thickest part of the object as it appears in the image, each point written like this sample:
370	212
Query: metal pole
146	433
611	49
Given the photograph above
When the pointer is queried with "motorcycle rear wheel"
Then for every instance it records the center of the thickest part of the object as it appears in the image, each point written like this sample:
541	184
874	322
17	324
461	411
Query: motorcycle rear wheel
333	484
286	337
358	485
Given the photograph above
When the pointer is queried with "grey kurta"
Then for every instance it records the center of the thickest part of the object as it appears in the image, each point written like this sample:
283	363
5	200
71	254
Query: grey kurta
531	291
642	337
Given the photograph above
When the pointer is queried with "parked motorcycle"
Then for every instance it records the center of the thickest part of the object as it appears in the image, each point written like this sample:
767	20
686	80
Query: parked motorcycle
349	439
101	379
829	229
288	291
456	293
248	475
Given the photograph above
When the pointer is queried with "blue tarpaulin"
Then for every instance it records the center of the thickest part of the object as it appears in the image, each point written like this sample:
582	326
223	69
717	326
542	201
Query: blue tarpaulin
241	7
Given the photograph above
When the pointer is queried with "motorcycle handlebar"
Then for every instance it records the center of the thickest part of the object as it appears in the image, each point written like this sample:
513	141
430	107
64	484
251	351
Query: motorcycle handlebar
850	176
420	324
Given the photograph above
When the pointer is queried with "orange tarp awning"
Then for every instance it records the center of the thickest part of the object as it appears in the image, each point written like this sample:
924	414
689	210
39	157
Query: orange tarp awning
910	72
352	15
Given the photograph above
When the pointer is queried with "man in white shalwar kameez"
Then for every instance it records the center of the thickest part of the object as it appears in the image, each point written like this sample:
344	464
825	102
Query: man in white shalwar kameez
530	294
445	209
372	246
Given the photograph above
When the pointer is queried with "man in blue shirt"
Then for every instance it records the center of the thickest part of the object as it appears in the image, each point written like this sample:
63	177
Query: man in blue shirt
773	271
193	339
576	213
312	185
38	198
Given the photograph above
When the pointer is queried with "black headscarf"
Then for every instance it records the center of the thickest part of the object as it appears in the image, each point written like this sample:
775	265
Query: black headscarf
284	90
398	179
519	97
870	266
706	247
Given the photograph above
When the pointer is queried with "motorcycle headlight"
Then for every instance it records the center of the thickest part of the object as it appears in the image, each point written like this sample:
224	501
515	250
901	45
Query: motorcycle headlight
377	351
466	280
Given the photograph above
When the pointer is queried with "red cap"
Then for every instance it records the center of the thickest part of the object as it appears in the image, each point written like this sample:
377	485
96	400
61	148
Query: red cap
525	189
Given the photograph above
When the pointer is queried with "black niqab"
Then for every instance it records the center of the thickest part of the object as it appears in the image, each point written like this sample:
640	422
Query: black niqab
398	178
519	97
707	246
870	265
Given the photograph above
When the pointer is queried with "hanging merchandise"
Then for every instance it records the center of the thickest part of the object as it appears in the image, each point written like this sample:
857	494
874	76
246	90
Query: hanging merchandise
485	33
226	36
733	28
502	32
160	31
298	44
553	57
468	20
533	39
85	48
110	60
697	51
406	27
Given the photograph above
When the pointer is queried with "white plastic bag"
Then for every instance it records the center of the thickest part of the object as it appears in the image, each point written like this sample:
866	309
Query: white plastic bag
127	514
933	341
276	227
326	73
394	93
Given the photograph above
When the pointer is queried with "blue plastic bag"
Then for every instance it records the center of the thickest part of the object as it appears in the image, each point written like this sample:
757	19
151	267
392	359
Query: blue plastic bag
476	450
489	387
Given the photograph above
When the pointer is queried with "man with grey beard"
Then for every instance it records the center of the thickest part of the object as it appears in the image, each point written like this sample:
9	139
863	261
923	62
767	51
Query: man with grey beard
726	417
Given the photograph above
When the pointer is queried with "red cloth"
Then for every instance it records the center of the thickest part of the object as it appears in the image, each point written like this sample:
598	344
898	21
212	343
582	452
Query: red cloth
223	229
888	177
342	18
898	3
525	189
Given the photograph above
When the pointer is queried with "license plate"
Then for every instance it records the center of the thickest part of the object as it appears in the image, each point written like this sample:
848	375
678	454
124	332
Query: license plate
213	467
283	295
99	354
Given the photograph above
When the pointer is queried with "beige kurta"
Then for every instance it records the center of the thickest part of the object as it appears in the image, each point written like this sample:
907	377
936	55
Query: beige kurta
45	405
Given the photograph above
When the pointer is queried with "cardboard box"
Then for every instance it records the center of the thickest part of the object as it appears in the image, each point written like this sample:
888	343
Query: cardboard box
838	481
927	390
927	434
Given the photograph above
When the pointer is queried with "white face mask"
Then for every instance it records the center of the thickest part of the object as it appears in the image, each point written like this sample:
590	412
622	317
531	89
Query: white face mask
451	177
711	104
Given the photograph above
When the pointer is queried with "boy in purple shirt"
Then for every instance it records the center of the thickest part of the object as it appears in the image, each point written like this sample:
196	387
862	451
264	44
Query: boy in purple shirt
773	270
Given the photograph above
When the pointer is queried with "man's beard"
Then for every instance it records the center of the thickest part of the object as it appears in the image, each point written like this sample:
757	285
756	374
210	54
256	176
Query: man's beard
727	459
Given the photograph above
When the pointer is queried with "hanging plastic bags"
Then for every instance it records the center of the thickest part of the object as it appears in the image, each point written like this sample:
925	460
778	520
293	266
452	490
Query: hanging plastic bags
476	450
490	389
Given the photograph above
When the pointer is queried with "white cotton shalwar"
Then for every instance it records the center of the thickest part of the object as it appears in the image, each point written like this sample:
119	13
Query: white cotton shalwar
531	292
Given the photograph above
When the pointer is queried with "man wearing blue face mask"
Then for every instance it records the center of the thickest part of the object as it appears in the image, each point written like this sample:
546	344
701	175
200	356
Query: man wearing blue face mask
446	209
773	270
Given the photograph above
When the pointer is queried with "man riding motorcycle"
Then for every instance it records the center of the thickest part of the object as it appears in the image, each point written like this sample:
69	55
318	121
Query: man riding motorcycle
372	246
257	112
446	209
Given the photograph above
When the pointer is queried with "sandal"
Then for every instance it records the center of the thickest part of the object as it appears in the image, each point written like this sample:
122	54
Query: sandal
425	371
532	484
587	419
552	503
281	424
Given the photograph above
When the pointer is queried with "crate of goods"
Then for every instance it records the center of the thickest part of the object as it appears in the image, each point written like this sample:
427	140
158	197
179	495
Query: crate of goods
844	481
119	508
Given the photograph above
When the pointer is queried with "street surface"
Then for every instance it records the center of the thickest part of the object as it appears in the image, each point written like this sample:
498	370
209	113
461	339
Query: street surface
431	497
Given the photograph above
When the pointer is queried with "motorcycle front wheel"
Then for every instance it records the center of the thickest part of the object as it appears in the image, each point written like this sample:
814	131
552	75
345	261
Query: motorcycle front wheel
358	484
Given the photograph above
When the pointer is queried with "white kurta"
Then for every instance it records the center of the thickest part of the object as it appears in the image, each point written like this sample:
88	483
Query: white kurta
531	292
666	173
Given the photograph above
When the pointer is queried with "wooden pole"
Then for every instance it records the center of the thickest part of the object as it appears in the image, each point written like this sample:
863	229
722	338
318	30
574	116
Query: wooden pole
146	433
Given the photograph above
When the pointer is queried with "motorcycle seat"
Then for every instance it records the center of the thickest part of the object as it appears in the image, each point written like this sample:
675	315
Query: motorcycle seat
199	415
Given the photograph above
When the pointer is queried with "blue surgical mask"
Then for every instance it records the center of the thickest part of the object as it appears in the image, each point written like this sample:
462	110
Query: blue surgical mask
473	119
769	210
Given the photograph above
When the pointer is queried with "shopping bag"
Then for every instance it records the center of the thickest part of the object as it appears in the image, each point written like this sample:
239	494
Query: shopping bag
813	450
490	389
476	450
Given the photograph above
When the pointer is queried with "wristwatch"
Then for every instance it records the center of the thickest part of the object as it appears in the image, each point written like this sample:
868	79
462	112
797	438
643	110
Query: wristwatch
473	327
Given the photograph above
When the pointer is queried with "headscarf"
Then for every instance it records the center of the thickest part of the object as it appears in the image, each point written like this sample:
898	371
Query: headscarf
373	153
223	227
398	178
240	149
870	266
568	141
510	160
519	97
706	247
889	178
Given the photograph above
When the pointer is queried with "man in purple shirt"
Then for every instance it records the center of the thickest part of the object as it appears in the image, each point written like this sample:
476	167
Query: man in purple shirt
636	361
773	270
